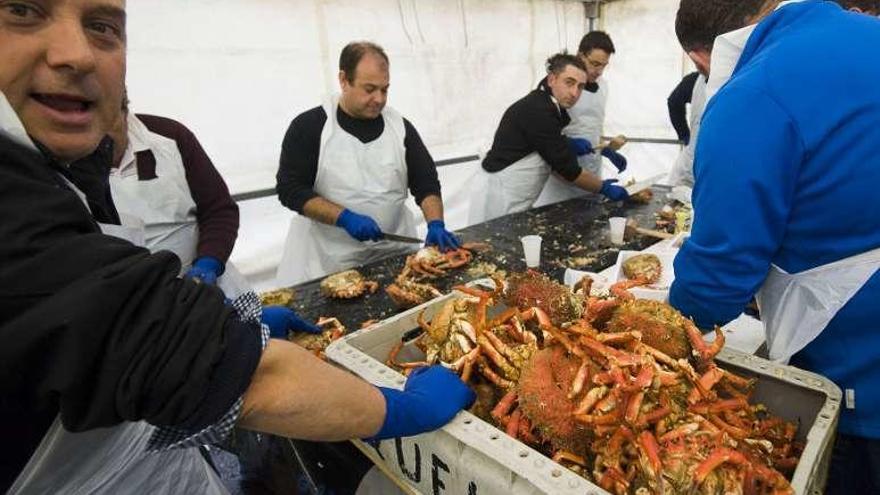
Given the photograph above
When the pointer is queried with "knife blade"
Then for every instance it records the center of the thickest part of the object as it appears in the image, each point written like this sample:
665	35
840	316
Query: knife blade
642	185
401	238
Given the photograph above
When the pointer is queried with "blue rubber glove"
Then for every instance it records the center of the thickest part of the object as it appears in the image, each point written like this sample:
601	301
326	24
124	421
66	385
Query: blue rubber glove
580	146
282	321
613	192
361	227
440	237
616	158
206	270
431	397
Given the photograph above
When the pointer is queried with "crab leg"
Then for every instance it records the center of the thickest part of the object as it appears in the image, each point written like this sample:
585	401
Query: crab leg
719	406
493	377
504	406
468	367
566	456
619	338
582	376
513	423
718	457
633	407
537	313
649	448
737	433
593	396
707	381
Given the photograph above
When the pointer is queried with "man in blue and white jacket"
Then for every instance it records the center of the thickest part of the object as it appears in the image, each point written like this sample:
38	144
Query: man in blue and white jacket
787	210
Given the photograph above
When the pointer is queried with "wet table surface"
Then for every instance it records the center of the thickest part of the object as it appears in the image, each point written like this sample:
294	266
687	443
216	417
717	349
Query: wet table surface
575	235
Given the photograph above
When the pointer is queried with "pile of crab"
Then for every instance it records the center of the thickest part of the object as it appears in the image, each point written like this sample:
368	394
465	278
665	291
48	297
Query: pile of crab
624	392
412	286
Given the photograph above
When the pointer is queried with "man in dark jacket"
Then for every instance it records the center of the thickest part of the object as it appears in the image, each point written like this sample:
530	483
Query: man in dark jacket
97	332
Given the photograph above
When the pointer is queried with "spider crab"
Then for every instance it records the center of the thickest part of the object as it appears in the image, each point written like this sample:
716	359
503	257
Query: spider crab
461	337
429	262
347	285
645	267
332	329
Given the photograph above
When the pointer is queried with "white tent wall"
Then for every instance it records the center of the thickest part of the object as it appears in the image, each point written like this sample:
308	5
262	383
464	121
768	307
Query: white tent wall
237	71
649	63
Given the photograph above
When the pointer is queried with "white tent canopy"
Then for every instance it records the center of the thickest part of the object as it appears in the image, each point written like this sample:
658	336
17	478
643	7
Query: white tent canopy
236	72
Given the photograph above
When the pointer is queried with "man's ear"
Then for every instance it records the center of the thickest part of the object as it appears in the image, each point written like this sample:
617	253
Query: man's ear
702	58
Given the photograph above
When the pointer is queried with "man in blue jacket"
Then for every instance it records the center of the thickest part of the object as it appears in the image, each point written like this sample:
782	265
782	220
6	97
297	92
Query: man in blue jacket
786	167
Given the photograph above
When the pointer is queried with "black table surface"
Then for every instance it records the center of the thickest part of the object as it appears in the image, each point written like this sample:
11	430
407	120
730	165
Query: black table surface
575	235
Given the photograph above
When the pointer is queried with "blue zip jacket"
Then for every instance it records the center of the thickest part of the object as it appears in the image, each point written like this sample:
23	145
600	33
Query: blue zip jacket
787	172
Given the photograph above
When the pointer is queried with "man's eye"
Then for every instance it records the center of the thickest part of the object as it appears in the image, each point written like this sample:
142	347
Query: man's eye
22	11
105	28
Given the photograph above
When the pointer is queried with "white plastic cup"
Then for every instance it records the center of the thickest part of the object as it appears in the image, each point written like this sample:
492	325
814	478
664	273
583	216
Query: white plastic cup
618	227
532	248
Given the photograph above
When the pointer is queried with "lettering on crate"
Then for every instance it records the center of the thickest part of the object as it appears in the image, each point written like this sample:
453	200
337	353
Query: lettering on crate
401	462
436	465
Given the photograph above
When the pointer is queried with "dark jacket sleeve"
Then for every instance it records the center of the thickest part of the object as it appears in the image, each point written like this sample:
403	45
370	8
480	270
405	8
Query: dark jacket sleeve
544	133
298	165
677	104
216	212
102	331
420	167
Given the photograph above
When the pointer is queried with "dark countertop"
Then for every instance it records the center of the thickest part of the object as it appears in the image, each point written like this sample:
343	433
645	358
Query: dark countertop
575	234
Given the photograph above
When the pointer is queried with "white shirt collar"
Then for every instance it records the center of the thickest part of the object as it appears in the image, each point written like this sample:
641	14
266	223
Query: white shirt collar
138	140
11	126
726	52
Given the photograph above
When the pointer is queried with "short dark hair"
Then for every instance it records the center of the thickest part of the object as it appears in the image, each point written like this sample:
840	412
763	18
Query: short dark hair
353	53
872	6
557	63
596	40
699	22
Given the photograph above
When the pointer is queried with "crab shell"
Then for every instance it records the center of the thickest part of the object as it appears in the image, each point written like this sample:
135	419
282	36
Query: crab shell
532	289
645	267
662	327
346	285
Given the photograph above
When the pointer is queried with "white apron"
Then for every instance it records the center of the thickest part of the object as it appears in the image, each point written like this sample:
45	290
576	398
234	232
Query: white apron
369	179
587	121
796	308
682	173
512	190
162	207
113	460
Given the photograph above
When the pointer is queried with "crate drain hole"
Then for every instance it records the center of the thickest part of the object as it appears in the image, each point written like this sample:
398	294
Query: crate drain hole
493	436
824	416
556	473
523	453
468	421
364	361
382	371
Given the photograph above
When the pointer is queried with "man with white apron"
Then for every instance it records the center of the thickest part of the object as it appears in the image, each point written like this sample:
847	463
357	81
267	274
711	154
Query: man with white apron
529	145
785	198
588	119
345	169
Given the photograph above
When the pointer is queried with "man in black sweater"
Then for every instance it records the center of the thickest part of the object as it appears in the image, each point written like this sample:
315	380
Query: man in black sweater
100	337
529	144
345	169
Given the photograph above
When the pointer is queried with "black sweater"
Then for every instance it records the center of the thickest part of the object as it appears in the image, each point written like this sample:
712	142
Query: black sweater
302	145
98	330
533	123
677	104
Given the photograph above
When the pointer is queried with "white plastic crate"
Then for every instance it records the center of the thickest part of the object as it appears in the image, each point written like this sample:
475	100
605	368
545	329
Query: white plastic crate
470	456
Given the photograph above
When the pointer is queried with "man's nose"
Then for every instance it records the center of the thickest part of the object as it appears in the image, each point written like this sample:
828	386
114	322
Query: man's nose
69	47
